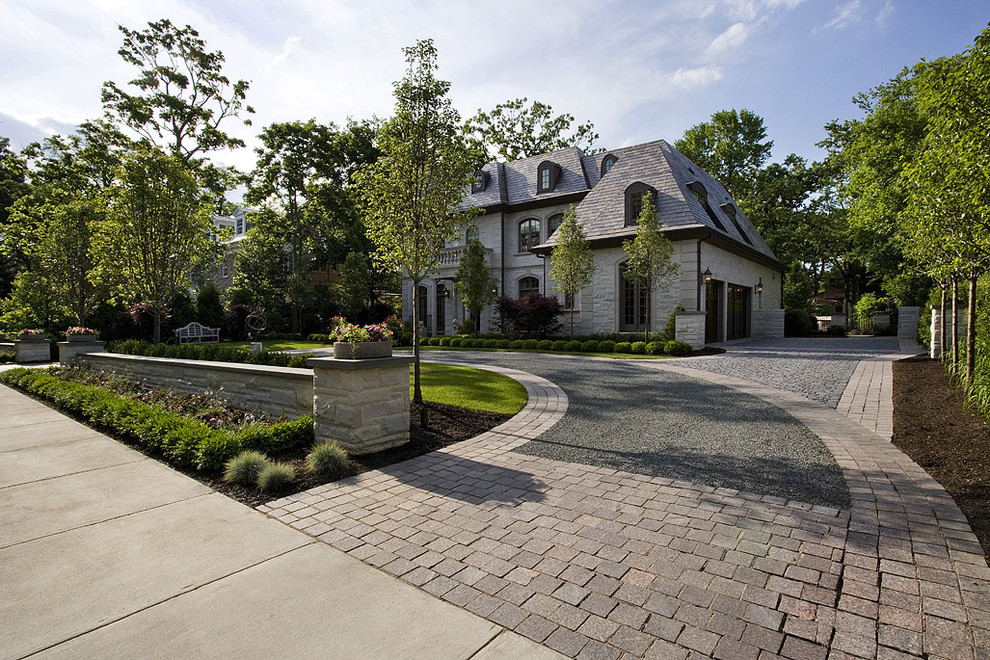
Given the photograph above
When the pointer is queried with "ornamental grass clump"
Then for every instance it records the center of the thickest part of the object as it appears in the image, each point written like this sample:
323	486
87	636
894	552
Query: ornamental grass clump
327	460
276	477
245	468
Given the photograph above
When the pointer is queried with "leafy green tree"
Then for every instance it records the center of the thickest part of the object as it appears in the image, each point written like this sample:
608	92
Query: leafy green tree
475	284
650	256
155	232
572	262
182	96
410	193
353	286
13	185
209	308
511	131
798	287
731	147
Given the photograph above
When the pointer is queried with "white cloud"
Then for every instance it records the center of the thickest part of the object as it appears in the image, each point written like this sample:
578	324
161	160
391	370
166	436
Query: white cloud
885	12
731	38
693	78
849	13
287	48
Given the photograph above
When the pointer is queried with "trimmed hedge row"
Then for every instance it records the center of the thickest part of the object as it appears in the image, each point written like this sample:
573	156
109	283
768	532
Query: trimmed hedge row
675	348
216	352
183	441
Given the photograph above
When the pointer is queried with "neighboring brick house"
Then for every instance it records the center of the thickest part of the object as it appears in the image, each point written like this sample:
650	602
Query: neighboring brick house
730	282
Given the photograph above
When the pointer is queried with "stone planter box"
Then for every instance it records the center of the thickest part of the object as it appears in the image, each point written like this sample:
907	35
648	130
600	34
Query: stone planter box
362	350
82	338
33	350
69	350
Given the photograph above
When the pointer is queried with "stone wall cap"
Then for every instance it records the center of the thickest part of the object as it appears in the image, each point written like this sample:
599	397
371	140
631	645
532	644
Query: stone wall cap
369	363
690	313
288	372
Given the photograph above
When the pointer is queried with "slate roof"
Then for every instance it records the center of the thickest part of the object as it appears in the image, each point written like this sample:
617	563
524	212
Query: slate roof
602	210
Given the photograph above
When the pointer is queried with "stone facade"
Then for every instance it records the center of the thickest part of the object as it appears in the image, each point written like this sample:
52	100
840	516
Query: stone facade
274	390
690	329
33	350
68	351
362	405
908	319
768	323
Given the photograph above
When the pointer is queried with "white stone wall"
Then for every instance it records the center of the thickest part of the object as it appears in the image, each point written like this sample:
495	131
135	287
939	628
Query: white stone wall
732	269
363	405
768	323
907	321
38	350
274	390
690	329
935	346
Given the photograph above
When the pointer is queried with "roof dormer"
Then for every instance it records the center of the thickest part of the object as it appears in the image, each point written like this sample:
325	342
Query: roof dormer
480	181
547	176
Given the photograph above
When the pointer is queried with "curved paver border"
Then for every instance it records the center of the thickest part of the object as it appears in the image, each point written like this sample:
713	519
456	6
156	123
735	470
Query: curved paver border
913	571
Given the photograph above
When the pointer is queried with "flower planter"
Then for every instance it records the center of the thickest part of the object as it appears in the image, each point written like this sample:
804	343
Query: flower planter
362	350
82	337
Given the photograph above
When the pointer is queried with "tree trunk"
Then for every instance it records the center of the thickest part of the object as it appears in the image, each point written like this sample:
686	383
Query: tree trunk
941	329
157	316
971	329
955	330
417	391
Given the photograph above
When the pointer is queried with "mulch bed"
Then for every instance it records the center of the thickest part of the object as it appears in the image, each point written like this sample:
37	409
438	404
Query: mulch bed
934	428
447	425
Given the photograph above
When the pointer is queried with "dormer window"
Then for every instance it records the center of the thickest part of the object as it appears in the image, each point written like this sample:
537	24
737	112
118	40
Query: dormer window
702	196
635	195
607	163
730	211
480	182
238	225
547	175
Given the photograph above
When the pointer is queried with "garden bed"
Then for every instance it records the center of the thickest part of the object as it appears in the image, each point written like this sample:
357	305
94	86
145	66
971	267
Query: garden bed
952	443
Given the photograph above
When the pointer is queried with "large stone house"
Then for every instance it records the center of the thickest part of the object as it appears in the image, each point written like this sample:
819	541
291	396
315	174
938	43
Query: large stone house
729	283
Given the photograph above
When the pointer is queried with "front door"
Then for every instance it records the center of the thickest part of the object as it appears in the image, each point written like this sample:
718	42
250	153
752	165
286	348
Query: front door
442	294
713	312
633	306
738	312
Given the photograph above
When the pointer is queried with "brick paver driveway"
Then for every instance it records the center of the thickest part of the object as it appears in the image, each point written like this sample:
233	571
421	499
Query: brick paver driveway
595	561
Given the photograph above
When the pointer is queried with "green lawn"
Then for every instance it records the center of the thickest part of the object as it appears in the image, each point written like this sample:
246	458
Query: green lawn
619	356
466	387
280	344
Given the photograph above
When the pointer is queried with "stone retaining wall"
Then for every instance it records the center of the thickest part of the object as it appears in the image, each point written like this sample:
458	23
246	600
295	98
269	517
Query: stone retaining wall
768	323
274	390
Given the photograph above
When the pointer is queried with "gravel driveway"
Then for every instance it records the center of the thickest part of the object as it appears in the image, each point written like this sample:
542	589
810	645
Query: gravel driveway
629	416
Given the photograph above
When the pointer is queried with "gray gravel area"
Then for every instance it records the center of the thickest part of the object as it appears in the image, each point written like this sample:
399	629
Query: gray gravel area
630	417
818	369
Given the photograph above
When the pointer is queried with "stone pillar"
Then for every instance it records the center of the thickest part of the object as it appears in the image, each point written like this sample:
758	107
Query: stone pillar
768	323
68	350
935	346
33	350
363	405
690	328
907	321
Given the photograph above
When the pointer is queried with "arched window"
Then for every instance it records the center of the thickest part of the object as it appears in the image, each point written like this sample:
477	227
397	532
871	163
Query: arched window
607	163
730	211
471	234
422	300
553	222
702	196
528	285
480	181
529	234
635	194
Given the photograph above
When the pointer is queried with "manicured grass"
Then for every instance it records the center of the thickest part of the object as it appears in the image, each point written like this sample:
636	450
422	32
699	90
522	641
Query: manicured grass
466	387
621	356
279	344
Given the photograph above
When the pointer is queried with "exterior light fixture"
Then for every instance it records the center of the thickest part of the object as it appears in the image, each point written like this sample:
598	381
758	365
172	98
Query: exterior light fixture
759	286
708	275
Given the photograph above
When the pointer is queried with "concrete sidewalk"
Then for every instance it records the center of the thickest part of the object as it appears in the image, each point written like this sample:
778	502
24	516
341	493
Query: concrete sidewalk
107	553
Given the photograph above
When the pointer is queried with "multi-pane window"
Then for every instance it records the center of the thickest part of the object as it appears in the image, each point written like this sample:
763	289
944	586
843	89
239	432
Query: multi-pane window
635	194
607	163
472	234
529	234
553	222
528	285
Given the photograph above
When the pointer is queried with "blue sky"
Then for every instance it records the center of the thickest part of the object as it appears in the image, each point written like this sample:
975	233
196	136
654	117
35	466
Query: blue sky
639	70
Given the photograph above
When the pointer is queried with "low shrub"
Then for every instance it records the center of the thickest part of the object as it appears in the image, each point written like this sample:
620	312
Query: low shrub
531	344
638	348
502	343
572	346
443	341
606	346
545	345
590	346
677	348
623	347
215	352
797	323
559	344
516	344
327	460
467	342
276	477
654	348
455	342
244	468
7	358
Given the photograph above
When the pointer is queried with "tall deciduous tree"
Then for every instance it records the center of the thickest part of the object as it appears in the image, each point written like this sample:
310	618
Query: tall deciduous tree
473	279
13	186
732	147
411	192
155	231
572	262
511	131
650	256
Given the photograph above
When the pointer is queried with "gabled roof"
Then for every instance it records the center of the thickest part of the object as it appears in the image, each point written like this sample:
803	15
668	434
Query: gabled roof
671	174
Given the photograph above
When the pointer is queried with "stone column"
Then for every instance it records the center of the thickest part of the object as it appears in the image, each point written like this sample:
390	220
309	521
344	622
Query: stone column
907	321
68	350
690	328
33	350
768	323
362	405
